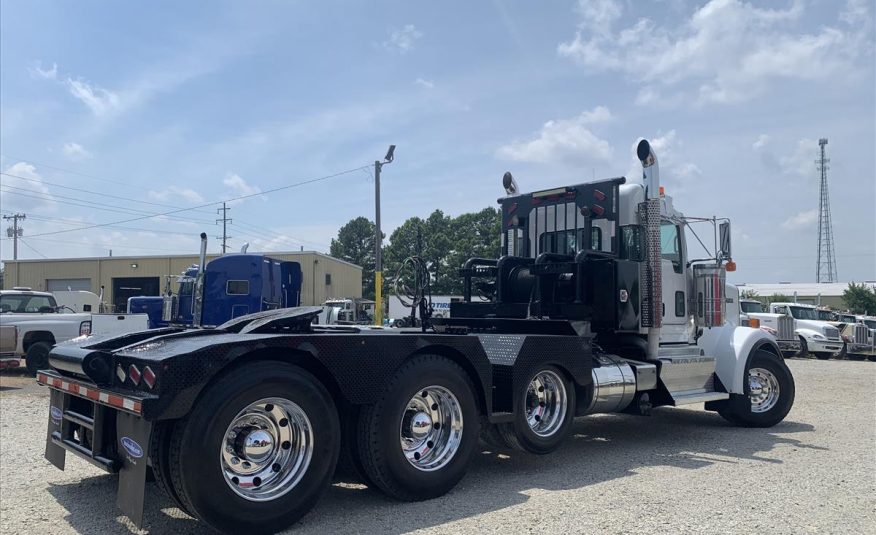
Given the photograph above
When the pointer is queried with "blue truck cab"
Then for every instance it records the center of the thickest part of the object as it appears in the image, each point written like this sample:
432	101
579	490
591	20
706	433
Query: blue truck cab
234	285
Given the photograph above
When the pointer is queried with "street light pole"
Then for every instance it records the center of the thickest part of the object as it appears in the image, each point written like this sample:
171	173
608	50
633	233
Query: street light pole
378	238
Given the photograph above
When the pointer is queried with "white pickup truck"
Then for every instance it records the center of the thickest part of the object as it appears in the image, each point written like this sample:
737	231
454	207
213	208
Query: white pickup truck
40	324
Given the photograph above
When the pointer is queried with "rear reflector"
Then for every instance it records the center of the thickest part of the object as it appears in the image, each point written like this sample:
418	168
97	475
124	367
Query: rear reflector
120	373
134	374
149	377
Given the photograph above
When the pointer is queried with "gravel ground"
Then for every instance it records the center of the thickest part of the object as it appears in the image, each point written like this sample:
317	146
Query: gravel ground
678	471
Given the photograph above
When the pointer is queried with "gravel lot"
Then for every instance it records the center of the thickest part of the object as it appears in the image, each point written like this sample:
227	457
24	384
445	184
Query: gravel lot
678	471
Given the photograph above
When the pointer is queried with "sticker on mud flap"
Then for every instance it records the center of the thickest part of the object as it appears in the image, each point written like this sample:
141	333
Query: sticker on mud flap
55	414
133	449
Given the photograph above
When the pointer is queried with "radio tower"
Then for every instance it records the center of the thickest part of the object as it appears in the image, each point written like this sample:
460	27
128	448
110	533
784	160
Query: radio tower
825	270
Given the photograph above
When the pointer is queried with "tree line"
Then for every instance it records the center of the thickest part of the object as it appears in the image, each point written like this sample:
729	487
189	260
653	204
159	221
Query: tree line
445	242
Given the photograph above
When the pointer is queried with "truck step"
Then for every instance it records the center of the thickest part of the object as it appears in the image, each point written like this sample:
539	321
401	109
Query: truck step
687	398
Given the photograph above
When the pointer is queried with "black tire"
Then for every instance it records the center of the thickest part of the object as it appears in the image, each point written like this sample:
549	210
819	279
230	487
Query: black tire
738	410
521	436
871	358
804	349
159	459
856	356
823	355
196	471
37	357
380	451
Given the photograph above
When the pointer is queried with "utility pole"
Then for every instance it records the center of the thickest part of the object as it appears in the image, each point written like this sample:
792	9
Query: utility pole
14	232
225	220
378	238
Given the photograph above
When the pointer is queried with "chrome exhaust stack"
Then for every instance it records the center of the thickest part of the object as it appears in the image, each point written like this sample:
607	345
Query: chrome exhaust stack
650	274
198	305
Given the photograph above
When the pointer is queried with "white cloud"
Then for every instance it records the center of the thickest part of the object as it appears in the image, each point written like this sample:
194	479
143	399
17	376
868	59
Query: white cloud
172	193
48	74
568	140
426	84
801	220
99	100
238	187
761	142
729	50
75	151
26	186
402	40
802	160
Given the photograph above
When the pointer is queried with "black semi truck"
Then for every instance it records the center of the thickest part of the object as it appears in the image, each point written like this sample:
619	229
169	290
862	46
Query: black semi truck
594	306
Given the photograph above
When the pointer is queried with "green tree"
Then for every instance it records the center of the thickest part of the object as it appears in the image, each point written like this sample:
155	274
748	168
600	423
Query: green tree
860	298
445	243
355	244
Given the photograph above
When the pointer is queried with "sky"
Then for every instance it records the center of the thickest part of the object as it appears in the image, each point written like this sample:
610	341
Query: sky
122	124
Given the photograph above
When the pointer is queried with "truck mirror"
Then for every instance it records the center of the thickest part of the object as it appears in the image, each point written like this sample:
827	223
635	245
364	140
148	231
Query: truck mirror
724	233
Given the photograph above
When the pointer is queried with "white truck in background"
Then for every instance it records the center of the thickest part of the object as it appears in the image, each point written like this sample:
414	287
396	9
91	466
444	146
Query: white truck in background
818	337
401	315
39	323
781	326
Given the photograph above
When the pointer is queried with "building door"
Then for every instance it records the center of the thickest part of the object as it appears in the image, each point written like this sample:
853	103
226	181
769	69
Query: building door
126	287
61	285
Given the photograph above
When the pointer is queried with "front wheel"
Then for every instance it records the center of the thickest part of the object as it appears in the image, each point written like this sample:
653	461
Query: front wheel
257	450
769	393
415	443
544	413
823	355
804	349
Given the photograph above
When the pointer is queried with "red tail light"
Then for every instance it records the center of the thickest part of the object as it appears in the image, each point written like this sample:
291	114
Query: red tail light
134	374
149	377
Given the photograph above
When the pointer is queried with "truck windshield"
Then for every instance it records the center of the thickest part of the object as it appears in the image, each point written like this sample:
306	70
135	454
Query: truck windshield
826	315
748	306
23	303
870	323
803	313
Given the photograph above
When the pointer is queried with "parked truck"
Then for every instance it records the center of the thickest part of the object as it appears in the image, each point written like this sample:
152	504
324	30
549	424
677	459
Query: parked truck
40	322
781	326
233	285
817	337
597	308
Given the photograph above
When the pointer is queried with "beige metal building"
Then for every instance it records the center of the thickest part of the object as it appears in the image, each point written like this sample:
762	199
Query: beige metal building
122	277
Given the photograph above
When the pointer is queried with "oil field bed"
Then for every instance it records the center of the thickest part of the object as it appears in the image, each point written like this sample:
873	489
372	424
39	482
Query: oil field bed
813	473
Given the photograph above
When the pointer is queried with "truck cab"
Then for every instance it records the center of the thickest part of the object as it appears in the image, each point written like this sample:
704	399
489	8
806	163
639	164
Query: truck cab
818	336
234	285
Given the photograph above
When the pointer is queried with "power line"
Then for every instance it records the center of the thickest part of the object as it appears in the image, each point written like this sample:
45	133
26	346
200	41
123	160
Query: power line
238	198
29	246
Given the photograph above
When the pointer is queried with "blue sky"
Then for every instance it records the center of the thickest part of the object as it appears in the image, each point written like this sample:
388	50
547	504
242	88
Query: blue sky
115	111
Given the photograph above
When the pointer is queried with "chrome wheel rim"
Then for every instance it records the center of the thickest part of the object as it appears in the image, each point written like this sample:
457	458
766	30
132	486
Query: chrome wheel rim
266	449
431	428
763	388
546	403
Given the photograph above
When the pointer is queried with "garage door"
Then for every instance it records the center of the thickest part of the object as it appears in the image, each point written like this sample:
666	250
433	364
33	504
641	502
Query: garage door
59	285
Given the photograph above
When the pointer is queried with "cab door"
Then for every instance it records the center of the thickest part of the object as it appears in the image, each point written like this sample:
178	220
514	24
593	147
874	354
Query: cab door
677	327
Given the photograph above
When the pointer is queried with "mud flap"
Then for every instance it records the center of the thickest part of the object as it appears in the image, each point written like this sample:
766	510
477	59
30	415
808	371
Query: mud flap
57	405
133	434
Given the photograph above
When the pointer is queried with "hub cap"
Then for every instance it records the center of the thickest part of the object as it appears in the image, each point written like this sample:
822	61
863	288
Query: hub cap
267	449
431	428
763	389
546	403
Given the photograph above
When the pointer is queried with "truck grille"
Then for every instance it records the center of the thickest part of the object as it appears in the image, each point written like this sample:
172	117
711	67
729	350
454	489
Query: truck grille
786	328
832	333
861	332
